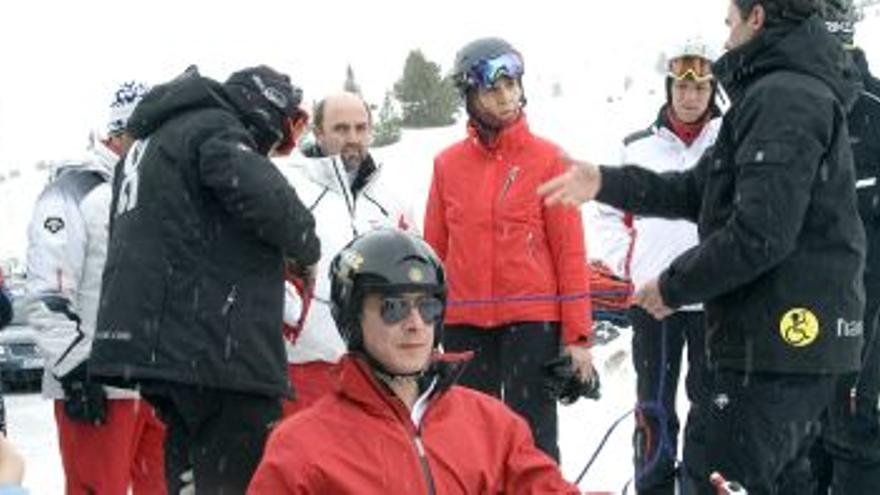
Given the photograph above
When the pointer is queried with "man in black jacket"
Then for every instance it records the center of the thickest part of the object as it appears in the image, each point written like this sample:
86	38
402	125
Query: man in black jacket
781	248
202	224
848	456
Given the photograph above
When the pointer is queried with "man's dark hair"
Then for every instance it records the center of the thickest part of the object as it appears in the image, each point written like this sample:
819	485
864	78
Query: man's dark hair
781	11
318	114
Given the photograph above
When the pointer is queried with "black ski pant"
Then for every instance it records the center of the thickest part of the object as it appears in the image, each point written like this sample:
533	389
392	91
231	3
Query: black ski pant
216	435
508	364
759	428
847	458
658	348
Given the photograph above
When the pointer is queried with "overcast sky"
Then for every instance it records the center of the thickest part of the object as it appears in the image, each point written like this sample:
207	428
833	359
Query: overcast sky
61	59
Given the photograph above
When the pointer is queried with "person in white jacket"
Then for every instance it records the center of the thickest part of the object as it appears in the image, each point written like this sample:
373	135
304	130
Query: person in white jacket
110	440
341	183
687	124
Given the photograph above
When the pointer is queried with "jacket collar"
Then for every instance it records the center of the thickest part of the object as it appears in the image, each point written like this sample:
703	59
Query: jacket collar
360	385
330	172
511	138
805	48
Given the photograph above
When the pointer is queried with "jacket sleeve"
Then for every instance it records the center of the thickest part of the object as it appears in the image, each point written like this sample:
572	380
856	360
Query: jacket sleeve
527	470
672	195
776	161
253	190
565	237
284	470
617	239
436	232
57	243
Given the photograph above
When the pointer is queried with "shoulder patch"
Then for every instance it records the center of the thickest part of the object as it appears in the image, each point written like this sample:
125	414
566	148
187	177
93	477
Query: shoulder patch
636	136
54	224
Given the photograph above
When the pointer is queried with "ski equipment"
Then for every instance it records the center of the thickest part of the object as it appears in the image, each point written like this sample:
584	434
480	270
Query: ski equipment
390	262
482	62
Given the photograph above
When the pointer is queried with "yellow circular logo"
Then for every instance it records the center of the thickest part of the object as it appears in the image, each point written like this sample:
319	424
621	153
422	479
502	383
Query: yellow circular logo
799	327
416	275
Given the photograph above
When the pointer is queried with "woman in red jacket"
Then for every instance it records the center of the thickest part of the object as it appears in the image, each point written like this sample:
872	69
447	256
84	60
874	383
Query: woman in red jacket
518	276
397	423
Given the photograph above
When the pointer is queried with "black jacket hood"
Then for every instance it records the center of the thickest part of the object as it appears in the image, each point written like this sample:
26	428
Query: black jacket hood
188	91
805	48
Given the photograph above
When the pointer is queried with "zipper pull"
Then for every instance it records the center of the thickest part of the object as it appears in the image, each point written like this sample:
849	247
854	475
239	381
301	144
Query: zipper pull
230	300
853	395
511	176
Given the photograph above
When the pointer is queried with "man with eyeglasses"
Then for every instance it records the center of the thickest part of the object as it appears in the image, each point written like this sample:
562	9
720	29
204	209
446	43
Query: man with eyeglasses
685	126
518	277
781	253
398	423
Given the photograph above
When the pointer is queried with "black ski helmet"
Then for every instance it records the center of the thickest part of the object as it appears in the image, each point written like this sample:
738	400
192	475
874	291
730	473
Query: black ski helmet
473	53
384	260
265	98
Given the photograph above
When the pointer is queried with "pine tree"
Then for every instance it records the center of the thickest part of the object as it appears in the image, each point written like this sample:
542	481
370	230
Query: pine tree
427	99
387	129
351	84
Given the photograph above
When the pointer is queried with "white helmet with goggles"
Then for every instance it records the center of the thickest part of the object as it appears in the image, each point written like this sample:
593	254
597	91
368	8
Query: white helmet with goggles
691	60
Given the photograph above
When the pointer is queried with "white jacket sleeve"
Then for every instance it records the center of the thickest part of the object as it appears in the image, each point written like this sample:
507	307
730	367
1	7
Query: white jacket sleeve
56	252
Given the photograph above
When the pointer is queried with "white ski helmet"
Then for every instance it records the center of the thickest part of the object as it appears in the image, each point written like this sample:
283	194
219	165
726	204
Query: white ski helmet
694	48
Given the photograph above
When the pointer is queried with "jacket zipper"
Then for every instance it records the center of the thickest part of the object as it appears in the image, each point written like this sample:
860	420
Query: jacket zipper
511	176
227	307
426	468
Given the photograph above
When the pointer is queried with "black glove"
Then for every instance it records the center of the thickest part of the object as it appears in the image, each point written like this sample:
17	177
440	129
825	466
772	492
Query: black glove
84	400
563	384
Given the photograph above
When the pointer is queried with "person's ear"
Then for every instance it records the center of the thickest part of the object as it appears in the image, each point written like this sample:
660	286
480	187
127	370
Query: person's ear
757	17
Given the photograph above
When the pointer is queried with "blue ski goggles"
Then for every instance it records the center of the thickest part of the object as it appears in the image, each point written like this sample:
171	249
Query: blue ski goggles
486	73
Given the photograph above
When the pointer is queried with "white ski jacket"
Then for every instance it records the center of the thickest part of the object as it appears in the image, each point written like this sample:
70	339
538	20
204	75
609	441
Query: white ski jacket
652	242
323	186
67	248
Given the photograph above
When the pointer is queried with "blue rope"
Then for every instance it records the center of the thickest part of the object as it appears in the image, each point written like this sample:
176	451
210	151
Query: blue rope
601	446
662	415
534	298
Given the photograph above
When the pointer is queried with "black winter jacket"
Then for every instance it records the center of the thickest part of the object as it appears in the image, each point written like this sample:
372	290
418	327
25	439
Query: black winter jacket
201	225
864	131
781	249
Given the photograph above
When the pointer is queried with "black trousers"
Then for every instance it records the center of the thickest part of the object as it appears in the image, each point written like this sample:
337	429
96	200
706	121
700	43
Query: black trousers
846	459
657	355
759	428
218	435
508	363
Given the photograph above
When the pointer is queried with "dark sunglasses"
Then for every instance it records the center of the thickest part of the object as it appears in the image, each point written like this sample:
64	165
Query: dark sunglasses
395	309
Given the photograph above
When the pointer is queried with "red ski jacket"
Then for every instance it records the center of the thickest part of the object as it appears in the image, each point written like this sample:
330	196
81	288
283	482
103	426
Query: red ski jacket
362	440
498	240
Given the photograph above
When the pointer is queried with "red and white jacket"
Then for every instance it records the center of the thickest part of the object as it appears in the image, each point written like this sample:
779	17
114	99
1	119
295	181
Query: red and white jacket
499	241
364	440
640	248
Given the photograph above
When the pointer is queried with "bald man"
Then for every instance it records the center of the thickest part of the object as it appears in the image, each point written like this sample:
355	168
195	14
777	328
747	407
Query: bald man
338	178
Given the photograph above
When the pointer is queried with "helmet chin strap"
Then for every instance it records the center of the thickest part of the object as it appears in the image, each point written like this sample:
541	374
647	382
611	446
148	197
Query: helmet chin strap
390	377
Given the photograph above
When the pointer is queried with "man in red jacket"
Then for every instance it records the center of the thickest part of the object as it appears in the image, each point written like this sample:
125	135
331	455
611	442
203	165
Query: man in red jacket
398	423
518	277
